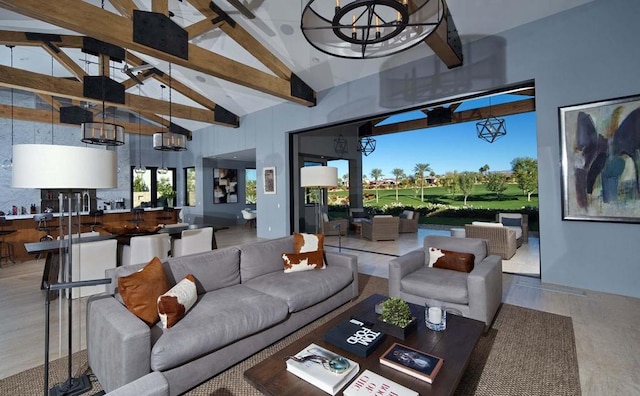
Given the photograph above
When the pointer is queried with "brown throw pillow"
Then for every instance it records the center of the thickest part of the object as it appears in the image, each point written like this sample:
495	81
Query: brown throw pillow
140	290
294	262
173	304
447	259
303	243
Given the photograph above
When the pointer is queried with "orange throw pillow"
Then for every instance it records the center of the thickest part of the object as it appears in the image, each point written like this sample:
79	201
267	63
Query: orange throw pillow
140	291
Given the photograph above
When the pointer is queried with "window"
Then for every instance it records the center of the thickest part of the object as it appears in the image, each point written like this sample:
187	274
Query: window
152	189
250	186
190	186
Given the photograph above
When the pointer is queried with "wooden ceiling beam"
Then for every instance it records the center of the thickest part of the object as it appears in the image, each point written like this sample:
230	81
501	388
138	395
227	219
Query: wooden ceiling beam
160	6
117	30
40	83
132	83
20	38
65	60
124	7
501	110
439	43
176	84
247	41
44	116
201	27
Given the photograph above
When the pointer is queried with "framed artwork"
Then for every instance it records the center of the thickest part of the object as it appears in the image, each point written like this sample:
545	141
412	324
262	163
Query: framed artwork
601	160
225	185
269	177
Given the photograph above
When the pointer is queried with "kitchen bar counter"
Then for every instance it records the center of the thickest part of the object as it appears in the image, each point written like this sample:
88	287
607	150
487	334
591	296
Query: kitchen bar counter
26	231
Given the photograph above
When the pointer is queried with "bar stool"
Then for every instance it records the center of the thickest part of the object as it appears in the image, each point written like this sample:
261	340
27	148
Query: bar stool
137	216
6	248
95	214
42	225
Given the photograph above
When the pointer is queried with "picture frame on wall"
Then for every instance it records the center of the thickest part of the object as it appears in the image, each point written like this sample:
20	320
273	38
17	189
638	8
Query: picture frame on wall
269	178
600	143
225	185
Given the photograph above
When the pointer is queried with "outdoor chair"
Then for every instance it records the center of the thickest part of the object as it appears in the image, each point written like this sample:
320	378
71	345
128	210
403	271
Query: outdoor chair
518	222
330	226
409	221
381	228
502	240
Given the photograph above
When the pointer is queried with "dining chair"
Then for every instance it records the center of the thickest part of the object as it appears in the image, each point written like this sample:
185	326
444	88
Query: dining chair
141	249
89	260
193	241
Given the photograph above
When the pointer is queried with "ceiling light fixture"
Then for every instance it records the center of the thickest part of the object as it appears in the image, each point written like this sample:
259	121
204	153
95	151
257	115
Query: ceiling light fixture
8	163
103	133
491	128
367	145
167	140
340	145
362	29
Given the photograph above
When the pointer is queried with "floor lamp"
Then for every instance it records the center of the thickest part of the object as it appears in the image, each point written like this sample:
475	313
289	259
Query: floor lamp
70	170
319	177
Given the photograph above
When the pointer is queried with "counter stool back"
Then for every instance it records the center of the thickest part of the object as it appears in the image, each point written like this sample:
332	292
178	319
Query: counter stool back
6	248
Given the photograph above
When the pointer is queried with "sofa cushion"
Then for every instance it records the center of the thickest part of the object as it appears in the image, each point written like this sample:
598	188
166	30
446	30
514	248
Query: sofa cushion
438	284
175	303
303	289
219	318
477	247
303	243
294	262
140	290
261	258
213	270
447	259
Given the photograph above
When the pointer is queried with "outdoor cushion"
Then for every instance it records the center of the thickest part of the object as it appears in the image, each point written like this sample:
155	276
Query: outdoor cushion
218	318
437	283
486	224
359	215
303	289
512	221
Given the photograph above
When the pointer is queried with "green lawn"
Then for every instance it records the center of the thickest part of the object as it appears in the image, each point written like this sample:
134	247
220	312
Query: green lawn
481	204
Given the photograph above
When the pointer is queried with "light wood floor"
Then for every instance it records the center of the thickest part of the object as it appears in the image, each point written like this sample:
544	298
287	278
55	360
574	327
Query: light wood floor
606	326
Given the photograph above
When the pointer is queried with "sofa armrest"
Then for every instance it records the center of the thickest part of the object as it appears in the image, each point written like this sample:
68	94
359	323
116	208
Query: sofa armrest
152	384
118	342
401	266
348	261
484	284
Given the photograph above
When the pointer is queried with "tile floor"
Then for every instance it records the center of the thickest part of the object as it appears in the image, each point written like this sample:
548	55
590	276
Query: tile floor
606	326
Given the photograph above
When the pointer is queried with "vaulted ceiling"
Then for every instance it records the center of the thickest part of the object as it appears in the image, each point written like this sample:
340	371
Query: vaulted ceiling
243	55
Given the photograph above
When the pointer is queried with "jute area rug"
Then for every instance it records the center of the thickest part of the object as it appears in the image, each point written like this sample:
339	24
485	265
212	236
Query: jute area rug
526	352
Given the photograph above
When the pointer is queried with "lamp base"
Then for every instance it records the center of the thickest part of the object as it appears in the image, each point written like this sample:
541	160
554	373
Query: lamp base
72	387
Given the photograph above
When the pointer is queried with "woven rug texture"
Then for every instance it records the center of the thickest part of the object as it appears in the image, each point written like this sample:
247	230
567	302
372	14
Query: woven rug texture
526	352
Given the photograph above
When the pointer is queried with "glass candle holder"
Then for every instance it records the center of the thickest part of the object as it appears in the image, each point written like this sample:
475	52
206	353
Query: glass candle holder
435	316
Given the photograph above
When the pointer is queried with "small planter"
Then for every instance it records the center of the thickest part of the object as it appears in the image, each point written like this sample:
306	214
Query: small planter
395	331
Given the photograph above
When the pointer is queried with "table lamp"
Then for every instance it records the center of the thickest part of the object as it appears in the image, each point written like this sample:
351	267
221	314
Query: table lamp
318	177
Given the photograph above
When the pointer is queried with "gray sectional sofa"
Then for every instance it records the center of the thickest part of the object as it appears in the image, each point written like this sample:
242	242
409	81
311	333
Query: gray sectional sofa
245	303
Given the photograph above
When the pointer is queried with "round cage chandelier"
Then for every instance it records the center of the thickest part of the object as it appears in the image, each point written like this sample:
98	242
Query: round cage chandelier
362	29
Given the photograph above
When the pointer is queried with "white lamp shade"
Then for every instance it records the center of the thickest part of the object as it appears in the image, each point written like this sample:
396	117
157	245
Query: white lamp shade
318	176
63	167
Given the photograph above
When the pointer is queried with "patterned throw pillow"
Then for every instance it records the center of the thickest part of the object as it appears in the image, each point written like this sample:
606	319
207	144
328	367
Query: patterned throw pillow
294	262
447	259
140	290
174	304
303	243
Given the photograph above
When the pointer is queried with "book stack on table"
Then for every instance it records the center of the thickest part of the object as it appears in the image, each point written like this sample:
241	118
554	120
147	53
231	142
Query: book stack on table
355	336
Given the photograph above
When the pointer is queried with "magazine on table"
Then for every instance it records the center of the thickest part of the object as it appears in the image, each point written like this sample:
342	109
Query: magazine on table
411	361
323	368
370	383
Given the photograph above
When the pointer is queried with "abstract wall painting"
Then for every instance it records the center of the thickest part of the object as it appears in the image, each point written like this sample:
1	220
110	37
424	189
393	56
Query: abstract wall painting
225	185
600	144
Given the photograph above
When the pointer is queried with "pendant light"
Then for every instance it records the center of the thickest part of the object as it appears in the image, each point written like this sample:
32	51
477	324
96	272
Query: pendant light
162	170
167	140
8	163
140	169
491	128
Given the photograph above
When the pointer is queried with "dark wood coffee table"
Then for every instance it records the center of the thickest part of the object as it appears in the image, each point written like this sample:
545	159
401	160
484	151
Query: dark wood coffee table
454	345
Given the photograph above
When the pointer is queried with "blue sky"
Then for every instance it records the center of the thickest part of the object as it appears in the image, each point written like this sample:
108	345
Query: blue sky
451	147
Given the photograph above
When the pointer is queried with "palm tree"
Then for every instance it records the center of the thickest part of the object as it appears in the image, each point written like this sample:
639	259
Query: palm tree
345	180
399	175
376	173
420	170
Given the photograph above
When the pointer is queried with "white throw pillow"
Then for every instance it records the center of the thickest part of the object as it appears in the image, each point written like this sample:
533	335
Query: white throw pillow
174	304
486	224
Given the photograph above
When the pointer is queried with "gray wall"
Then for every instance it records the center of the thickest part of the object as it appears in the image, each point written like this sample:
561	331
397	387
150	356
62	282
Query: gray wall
585	54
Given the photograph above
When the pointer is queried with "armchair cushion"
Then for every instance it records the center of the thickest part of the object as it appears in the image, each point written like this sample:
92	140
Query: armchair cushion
438	284
447	259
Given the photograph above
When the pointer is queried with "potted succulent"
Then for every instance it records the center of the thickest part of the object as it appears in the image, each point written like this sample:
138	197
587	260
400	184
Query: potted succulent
396	319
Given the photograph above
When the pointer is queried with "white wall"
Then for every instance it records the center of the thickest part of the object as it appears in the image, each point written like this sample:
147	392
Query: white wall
586	54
